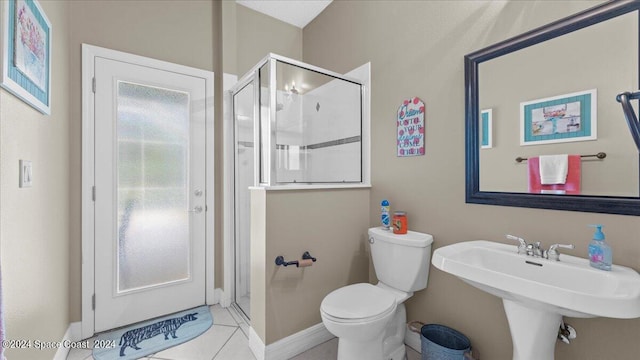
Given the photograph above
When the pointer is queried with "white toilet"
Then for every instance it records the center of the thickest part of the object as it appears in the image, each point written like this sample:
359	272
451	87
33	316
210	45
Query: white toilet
370	320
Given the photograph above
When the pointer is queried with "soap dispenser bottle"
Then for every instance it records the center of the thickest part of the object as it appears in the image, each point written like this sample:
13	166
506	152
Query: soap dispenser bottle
600	256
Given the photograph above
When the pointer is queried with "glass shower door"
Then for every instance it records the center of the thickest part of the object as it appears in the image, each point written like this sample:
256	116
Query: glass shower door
243	117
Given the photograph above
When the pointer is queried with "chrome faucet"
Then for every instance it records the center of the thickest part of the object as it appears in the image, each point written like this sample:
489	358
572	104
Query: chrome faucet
553	253
534	249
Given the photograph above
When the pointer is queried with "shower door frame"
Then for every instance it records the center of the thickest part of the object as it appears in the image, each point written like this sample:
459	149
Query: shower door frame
270	179
232	85
232	254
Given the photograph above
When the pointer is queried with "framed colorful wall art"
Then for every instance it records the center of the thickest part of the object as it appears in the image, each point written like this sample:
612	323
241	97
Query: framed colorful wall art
26	53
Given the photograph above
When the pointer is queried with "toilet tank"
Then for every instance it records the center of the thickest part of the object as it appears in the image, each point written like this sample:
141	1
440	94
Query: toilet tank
401	261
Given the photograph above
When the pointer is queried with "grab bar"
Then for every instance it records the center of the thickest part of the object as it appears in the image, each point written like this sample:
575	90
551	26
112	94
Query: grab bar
630	115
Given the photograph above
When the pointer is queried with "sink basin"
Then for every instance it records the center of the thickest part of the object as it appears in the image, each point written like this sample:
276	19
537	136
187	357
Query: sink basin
537	292
569	286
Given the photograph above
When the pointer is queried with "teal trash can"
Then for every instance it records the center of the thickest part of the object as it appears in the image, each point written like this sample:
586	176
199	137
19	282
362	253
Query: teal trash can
439	342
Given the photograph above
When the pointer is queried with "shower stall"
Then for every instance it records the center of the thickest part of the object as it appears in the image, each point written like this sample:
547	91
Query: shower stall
294	126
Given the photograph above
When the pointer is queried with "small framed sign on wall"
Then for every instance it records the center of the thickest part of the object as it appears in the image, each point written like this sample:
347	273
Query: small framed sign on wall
26	53
410	123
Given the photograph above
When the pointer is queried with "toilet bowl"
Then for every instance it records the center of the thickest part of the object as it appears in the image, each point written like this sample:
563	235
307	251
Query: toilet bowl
369	320
358	313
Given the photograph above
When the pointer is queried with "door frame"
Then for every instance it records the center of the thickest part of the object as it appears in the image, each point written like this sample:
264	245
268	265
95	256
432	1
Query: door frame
89	53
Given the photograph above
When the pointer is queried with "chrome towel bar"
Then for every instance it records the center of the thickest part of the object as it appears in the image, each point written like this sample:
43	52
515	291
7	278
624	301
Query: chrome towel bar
599	155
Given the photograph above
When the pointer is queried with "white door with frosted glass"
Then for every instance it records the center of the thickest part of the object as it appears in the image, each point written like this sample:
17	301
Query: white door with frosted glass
150	193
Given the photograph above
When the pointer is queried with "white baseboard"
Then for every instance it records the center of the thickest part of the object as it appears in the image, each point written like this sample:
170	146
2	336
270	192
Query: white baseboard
217	296
299	342
291	345
71	335
256	345
225	298
412	340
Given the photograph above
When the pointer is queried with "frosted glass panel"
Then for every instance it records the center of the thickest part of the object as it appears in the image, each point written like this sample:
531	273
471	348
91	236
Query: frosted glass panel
152	186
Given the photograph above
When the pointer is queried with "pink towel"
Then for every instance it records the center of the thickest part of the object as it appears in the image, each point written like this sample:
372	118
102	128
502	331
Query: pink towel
571	186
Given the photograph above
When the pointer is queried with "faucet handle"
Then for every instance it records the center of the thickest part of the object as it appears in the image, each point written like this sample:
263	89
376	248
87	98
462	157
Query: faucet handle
554	254
522	247
554	247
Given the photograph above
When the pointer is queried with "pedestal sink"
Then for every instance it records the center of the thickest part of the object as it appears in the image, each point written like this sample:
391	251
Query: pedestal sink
537	292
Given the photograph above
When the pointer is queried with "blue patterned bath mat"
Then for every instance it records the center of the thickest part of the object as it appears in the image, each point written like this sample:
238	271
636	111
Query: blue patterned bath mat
149	337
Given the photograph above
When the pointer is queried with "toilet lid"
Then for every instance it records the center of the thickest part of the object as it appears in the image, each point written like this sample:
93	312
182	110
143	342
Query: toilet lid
357	301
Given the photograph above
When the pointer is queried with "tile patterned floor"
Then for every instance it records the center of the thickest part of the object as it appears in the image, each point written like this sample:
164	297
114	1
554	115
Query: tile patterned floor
227	339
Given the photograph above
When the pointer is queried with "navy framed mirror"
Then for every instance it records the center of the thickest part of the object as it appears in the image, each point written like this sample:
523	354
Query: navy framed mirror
602	177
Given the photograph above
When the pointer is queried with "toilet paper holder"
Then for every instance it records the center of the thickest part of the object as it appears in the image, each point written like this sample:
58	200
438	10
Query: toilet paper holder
307	260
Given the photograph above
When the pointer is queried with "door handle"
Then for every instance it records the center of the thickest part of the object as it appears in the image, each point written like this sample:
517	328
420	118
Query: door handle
197	210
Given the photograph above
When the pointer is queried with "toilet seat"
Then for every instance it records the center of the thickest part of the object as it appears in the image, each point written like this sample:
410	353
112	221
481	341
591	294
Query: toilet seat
358	303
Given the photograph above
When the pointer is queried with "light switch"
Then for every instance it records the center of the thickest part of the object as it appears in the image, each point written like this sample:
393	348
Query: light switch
26	173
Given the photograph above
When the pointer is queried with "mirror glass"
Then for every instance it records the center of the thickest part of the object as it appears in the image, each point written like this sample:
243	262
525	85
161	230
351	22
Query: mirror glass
552	91
539	100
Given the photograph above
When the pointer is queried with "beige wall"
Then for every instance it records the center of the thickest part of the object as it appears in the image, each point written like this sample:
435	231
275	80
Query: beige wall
248	36
34	221
257	272
182	32
416	48
332	226
258	34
